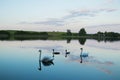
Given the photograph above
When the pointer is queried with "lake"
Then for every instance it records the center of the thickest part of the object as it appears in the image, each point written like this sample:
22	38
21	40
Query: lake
21	60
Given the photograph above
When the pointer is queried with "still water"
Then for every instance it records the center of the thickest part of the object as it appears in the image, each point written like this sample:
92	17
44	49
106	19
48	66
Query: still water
21	60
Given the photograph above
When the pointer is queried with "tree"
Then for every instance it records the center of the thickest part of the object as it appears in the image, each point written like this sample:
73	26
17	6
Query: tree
69	33
4	35
82	32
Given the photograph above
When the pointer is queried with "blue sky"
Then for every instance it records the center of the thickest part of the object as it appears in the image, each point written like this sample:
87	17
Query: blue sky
60	15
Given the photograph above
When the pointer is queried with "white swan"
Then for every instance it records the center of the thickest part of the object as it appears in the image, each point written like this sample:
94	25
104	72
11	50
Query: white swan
83	54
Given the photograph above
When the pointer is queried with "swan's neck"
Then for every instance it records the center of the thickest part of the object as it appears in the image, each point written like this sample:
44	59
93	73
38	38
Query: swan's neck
81	51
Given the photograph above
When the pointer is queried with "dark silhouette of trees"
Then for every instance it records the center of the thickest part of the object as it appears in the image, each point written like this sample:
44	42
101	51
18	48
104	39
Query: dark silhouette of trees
82	41
107	34
4	35
30	35
69	40
111	34
82	32
24	35
69	33
99	34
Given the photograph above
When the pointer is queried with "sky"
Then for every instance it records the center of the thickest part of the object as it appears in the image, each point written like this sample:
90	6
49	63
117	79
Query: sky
60	15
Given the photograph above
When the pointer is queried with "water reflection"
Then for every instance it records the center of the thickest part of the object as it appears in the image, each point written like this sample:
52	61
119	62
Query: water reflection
66	53
82	41
40	61
55	53
73	61
46	61
69	40
82	55
91	61
99	39
83	58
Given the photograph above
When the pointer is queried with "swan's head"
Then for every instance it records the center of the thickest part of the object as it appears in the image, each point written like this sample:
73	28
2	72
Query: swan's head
81	48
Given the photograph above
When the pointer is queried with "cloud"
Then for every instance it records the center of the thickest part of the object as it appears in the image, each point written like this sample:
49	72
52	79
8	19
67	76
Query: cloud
83	12
108	10
51	22
72	14
109	1
87	12
56	22
78	13
104	25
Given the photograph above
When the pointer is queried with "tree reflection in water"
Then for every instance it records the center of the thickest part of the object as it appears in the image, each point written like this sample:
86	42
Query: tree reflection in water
82	41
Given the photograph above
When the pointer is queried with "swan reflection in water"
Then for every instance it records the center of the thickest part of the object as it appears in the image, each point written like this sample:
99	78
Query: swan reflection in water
82	55
46	61
55	52
66	53
83	58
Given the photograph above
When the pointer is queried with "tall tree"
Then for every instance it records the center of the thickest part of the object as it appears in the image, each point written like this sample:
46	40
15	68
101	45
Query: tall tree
69	33
82	32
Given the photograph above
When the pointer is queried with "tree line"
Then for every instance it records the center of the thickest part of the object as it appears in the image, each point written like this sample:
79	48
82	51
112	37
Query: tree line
82	32
21	35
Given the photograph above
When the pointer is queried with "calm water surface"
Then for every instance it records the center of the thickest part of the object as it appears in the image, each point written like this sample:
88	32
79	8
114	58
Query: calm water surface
20	60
